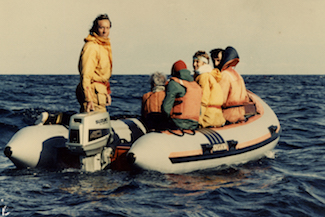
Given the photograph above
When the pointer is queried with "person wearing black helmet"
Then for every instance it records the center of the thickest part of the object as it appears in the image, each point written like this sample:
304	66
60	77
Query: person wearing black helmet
232	83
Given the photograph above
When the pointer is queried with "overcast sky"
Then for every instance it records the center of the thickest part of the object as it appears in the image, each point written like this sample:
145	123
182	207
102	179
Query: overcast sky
271	36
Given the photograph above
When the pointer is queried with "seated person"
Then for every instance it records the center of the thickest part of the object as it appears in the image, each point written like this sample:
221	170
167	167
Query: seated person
216	56
152	101
233	87
212	98
183	98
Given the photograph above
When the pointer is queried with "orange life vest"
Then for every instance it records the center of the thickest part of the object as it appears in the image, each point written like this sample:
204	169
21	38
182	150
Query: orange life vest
152	101
188	106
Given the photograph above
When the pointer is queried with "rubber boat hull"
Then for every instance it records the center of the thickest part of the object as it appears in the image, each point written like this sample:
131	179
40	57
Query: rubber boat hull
36	146
56	146
183	152
45	146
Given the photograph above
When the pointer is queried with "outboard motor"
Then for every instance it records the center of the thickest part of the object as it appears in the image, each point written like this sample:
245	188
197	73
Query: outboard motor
89	136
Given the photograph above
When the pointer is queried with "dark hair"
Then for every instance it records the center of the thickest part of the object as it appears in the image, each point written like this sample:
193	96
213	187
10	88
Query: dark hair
214	53
94	28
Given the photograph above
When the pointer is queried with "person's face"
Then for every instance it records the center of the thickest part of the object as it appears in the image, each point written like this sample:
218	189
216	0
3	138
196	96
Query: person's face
197	63
216	61
103	28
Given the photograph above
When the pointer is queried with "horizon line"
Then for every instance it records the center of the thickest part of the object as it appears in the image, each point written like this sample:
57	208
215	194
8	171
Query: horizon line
167	75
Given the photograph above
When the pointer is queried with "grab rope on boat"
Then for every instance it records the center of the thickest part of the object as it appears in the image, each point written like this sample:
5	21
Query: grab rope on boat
183	132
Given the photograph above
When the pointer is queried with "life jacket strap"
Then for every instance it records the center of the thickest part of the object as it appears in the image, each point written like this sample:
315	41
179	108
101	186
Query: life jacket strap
250	108
215	106
233	106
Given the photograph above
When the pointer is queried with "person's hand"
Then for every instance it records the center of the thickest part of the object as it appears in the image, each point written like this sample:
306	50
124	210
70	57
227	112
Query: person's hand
109	100
90	106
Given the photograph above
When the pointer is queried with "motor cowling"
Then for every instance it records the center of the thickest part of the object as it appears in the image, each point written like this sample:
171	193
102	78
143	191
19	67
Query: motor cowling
89	135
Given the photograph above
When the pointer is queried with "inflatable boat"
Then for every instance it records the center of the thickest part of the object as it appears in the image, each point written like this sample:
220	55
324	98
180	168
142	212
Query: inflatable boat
87	143
182	152
92	141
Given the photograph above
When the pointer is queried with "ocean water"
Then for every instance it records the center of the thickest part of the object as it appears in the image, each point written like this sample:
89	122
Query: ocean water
289	182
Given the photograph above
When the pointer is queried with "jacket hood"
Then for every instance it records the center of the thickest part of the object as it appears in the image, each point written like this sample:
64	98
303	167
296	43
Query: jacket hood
99	40
183	74
230	57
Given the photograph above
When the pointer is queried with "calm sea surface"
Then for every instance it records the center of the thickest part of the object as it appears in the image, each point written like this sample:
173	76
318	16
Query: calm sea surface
289	183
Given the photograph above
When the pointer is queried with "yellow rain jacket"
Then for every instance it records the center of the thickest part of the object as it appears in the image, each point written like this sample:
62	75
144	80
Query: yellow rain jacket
95	68
212	99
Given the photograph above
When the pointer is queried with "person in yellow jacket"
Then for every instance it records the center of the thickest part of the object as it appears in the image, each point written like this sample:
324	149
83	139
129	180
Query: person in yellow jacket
95	67
212	98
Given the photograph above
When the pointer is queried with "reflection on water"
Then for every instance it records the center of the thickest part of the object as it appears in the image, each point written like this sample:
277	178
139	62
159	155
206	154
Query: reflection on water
202	184
93	186
105	184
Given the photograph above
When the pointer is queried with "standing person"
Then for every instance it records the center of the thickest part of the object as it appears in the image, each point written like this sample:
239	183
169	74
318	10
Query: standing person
95	67
152	101
233	87
212	98
183	98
